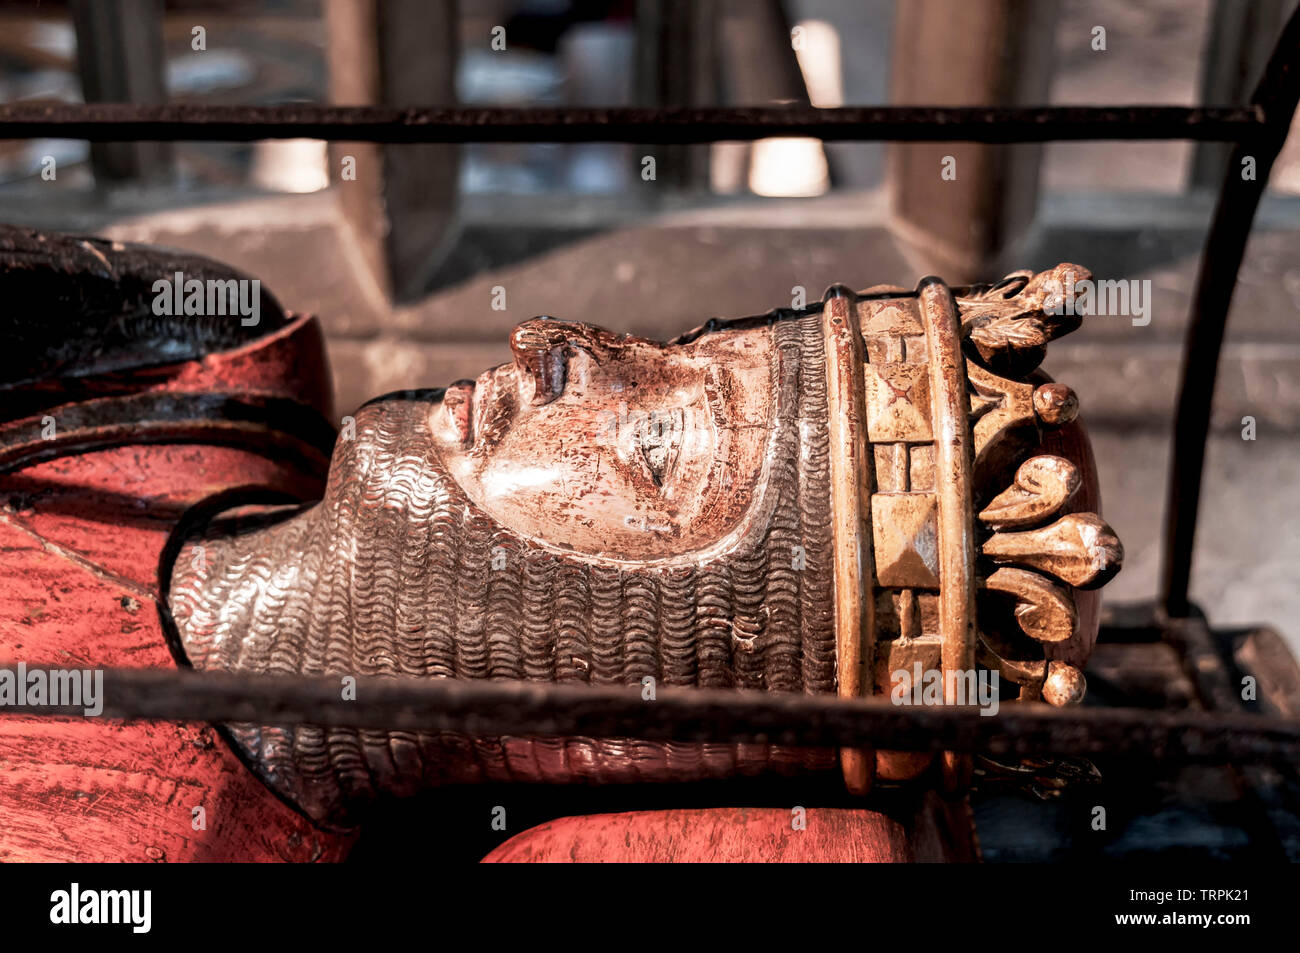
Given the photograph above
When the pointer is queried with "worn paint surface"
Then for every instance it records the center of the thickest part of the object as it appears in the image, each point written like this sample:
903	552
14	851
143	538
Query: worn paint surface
747	835
89	494
80	541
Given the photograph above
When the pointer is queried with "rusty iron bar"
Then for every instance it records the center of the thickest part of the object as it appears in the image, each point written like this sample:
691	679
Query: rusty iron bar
488	708
1276	96
117	122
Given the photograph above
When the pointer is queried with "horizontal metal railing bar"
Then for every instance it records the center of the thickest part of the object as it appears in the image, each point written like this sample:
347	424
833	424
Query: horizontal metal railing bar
109	122
490	708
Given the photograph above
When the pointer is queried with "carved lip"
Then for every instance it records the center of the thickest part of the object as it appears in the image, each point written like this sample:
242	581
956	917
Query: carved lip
480	411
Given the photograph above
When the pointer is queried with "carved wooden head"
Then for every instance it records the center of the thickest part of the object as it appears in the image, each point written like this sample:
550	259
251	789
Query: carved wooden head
807	501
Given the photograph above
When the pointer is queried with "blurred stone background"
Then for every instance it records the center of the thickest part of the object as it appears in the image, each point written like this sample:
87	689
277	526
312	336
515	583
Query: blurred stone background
400	264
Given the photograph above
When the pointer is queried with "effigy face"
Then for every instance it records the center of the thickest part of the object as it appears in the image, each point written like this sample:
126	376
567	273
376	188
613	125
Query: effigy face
809	501
612	447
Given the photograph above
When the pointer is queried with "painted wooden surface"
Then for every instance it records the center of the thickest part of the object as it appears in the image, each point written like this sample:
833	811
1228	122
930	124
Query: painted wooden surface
717	835
80	540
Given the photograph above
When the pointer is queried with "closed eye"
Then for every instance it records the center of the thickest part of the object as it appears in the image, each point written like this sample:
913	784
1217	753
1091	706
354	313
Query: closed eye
658	441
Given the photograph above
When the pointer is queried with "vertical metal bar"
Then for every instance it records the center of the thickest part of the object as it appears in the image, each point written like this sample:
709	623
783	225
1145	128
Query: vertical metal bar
1277	95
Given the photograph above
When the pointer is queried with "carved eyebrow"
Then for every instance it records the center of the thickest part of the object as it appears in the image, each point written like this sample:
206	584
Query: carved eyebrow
541	351
544	333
